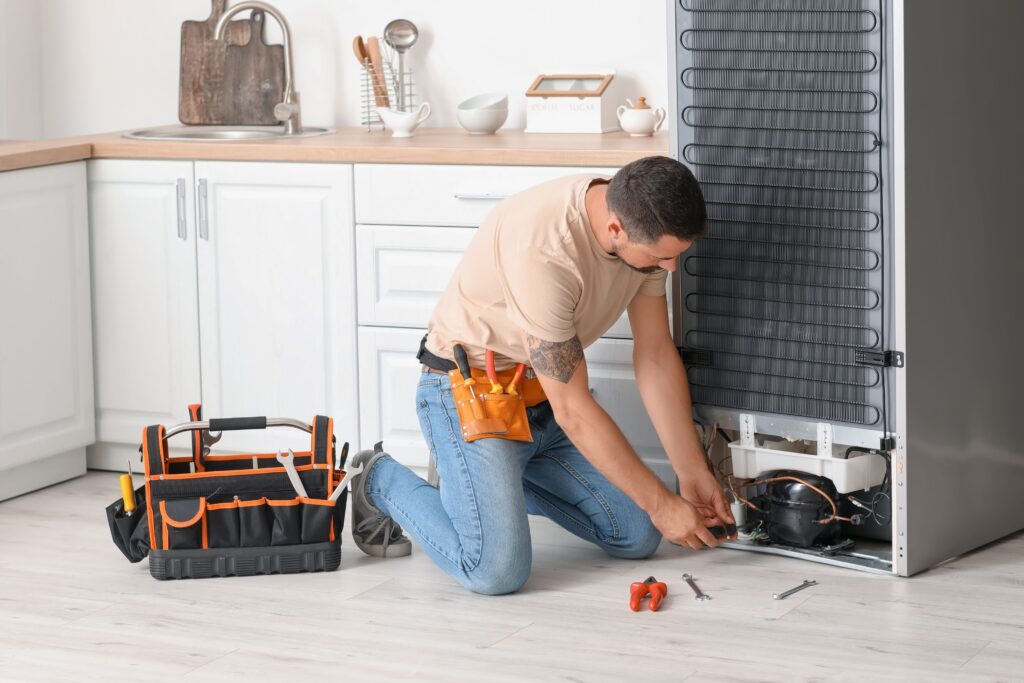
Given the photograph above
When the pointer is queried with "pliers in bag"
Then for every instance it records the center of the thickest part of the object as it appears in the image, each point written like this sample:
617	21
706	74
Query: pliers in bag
641	589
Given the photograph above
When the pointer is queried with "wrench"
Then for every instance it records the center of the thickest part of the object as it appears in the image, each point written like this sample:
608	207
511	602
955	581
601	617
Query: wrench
344	481
699	594
293	474
783	596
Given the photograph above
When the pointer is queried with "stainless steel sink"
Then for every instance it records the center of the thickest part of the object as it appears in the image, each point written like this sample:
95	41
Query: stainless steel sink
222	133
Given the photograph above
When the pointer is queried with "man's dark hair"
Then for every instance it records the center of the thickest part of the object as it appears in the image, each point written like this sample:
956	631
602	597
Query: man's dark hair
657	196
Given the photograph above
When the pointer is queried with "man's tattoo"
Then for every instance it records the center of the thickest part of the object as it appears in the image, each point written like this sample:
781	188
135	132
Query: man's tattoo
555	359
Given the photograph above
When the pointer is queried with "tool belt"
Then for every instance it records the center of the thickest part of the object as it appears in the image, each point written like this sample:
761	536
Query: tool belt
203	515
493	405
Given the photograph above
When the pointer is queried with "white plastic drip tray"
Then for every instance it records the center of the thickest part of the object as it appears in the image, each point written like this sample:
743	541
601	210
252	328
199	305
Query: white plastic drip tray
859	472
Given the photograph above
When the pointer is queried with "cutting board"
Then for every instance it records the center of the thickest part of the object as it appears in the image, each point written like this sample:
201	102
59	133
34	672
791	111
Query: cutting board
201	85
236	81
253	78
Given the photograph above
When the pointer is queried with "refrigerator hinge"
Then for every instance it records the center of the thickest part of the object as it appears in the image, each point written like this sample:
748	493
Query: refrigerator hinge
883	359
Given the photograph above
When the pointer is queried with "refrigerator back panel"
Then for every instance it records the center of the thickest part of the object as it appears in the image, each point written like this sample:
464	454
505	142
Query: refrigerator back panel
780	117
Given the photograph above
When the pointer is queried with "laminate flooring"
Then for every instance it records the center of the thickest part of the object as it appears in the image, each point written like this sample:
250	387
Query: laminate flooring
73	609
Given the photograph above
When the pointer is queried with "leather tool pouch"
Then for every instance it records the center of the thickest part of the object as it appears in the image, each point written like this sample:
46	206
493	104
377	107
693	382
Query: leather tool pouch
509	408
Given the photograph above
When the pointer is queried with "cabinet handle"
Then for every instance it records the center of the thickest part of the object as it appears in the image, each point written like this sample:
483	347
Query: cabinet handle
182	227
204	220
486	196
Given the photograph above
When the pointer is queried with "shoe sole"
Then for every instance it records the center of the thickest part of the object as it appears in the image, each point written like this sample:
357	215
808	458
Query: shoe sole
394	550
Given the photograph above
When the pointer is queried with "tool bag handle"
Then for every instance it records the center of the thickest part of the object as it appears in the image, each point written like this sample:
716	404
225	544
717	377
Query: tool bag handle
226	424
154	437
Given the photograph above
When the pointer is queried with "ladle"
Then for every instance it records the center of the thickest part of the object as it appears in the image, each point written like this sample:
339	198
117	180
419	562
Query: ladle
400	35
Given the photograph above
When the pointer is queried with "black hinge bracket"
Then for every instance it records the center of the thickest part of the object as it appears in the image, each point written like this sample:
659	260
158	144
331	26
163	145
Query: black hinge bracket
695	357
883	359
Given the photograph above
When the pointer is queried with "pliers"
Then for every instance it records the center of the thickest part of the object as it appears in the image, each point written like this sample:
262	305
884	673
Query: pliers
650	586
492	375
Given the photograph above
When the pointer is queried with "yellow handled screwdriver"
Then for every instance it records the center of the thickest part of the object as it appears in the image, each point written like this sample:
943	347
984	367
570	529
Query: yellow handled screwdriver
128	491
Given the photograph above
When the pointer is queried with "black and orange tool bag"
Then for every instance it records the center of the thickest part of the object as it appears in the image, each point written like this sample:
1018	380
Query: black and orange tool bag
205	515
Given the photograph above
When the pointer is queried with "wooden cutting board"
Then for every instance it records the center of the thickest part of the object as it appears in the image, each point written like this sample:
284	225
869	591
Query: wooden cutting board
253	78
201	84
236	81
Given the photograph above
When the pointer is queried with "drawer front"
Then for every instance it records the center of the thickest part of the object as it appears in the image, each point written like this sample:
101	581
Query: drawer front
402	271
416	194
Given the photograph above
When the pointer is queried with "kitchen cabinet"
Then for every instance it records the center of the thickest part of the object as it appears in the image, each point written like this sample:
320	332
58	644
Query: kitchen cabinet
247	280
46	380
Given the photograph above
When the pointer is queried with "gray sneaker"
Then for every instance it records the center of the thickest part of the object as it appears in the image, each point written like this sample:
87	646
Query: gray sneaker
375	533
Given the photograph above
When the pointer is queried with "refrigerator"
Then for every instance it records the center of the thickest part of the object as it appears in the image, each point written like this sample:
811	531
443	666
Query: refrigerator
854	311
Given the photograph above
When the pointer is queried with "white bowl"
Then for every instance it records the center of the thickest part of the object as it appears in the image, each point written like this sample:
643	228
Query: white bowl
487	100
481	121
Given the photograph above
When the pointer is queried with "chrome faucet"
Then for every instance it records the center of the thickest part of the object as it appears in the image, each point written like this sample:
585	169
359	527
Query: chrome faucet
287	111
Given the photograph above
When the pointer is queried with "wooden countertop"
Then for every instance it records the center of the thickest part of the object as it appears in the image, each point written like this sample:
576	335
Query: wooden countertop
356	145
15	154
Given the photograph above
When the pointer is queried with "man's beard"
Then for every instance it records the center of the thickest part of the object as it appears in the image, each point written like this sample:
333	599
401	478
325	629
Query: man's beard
647	270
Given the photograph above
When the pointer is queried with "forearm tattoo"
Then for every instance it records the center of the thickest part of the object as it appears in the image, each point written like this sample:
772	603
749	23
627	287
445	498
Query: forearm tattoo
555	359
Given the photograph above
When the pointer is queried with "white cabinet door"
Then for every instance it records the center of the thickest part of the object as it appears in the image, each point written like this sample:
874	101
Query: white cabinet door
276	297
46	379
388	375
404	270
145	305
613	385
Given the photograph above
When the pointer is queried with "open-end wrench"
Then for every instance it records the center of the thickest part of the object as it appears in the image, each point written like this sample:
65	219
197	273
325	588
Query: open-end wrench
698	593
293	474
783	596
344	481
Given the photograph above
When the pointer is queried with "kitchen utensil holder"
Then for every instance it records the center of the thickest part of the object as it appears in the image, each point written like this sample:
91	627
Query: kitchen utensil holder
392	79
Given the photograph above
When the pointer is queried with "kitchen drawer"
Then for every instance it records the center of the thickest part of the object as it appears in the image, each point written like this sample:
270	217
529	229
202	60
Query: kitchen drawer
415	194
403	270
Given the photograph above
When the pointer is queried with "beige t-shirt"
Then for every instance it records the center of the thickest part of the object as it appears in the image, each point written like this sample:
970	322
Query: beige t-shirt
535	265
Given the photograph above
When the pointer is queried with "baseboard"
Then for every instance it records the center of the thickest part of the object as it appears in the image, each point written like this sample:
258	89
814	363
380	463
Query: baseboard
114	457
48	471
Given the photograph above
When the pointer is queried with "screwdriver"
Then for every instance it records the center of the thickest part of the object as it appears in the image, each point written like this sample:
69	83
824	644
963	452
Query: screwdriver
128	491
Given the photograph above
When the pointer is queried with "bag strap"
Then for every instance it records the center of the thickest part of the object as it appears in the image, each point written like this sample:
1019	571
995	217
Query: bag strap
195	414
322	440
154	450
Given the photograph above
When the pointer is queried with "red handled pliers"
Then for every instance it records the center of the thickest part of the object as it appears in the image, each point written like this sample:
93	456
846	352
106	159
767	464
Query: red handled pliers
639	590
492	375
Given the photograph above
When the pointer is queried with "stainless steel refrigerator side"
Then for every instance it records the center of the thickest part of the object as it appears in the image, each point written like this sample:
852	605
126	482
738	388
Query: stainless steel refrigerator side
897	159
963	147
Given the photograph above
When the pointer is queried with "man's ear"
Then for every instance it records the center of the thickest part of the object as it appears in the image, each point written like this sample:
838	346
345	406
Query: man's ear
614	225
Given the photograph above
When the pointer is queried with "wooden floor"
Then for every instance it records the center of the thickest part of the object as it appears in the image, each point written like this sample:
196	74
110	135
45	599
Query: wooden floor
73	609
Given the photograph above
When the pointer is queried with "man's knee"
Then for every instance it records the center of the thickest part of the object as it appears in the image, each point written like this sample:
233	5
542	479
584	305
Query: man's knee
638	542
498	578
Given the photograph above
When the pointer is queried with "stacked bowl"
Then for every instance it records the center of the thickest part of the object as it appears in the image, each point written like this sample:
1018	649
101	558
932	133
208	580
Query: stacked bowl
483	114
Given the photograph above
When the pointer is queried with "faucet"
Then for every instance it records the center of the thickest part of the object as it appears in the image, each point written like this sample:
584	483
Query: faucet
287	111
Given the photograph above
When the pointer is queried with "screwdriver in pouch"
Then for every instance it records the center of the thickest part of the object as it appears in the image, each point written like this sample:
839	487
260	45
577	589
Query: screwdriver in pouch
128	491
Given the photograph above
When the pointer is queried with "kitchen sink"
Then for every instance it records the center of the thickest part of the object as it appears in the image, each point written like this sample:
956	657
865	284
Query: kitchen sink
221	133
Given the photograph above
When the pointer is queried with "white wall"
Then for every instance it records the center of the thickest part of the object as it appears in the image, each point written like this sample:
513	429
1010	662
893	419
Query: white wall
113	64
19	70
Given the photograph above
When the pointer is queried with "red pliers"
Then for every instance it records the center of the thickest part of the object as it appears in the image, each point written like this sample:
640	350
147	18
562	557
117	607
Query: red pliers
492	375
639	590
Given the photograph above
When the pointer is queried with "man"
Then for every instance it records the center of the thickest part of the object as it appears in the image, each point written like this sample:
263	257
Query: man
548	272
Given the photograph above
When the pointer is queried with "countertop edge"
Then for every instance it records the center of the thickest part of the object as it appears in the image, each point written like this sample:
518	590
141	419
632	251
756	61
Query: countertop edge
351	145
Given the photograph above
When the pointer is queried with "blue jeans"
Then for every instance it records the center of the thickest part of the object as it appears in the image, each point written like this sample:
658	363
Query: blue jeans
475	526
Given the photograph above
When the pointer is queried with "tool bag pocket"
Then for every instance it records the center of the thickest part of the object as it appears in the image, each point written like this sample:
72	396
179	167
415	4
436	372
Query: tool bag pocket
183	524
509	409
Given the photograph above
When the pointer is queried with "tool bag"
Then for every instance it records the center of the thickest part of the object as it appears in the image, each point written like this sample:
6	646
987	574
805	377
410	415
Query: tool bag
208	515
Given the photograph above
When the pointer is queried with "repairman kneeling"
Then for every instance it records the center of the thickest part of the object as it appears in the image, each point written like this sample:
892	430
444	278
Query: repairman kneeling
548	272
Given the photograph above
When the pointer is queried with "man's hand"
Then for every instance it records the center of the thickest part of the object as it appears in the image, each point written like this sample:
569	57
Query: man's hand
681	522
700	488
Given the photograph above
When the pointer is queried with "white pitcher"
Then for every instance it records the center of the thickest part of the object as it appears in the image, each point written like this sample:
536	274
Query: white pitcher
402	123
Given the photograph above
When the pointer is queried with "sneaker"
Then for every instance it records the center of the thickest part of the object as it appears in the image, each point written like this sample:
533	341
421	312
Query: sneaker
375	533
